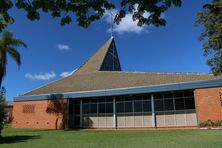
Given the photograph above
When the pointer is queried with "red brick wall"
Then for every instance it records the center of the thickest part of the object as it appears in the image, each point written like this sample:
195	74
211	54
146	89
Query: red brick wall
209	104
40	118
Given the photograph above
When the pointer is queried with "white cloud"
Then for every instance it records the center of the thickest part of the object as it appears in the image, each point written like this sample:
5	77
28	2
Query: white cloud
63	47
66	73
127	25
41	76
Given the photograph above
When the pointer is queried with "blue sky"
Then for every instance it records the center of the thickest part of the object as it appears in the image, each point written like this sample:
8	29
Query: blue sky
55	50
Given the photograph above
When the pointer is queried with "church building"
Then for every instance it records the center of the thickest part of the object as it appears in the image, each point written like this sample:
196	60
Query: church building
100	95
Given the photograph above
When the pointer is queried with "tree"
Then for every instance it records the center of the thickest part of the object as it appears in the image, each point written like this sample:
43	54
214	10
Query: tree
211	19
3	114
87	11
58	107
8	45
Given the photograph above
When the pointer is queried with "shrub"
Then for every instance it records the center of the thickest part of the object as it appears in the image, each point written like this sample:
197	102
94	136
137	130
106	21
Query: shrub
210	123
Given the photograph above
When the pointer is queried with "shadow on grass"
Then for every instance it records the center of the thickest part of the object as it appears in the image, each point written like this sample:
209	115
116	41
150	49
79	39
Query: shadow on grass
16	139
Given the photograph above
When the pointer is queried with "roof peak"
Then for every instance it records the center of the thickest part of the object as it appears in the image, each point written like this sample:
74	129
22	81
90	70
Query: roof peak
104	59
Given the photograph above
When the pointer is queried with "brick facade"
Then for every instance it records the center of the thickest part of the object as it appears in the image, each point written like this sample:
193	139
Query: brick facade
209	104
39	114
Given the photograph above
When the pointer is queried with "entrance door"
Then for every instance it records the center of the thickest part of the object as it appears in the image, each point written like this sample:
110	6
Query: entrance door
74	113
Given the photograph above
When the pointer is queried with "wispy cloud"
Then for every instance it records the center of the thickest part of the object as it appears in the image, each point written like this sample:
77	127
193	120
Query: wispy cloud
127	25
63	47
40	76
67	73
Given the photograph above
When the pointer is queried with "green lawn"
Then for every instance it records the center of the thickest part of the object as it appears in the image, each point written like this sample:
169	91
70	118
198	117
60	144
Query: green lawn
110	138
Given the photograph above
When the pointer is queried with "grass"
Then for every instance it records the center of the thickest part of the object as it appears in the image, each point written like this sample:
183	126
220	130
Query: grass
30	138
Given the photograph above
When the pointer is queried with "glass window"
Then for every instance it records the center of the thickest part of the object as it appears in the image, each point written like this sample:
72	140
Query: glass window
147	106
101	99
86	108
189	103
86	100
146	97
109	107
94	100
102	108
77	108
128	107
168	104
120	107
138	106
158	105
178	95
158	96
93	108
128	98
109	99
71	107
137	98
179	104
168	95
188	94
119	98
77	121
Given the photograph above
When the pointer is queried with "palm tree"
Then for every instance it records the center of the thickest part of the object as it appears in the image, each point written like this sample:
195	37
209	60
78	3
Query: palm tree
8	46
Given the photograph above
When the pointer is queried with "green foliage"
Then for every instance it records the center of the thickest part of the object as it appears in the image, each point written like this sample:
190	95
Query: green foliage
5	18
2	111
87	11
211	19
8	45
210	123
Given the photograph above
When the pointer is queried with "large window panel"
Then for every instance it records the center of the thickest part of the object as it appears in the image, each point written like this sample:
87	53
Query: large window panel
102	108
138	106
77	109
137	98
188	94
128	107
168	104
120	107
146	97
158	96
179	104
189	103
147	106
86	108
109	107
159	105
168	96
93	108
128	98
178	95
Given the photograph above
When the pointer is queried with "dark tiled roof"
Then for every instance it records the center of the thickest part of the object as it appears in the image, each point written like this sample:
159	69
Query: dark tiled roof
89	77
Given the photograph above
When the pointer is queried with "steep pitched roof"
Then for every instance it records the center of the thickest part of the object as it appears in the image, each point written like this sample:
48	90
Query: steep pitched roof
105	59
103	71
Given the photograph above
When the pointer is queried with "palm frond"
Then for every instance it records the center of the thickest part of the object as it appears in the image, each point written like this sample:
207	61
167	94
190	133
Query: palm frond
15	55
9	40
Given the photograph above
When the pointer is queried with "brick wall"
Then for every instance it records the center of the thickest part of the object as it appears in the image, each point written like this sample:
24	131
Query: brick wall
209	104
38	114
